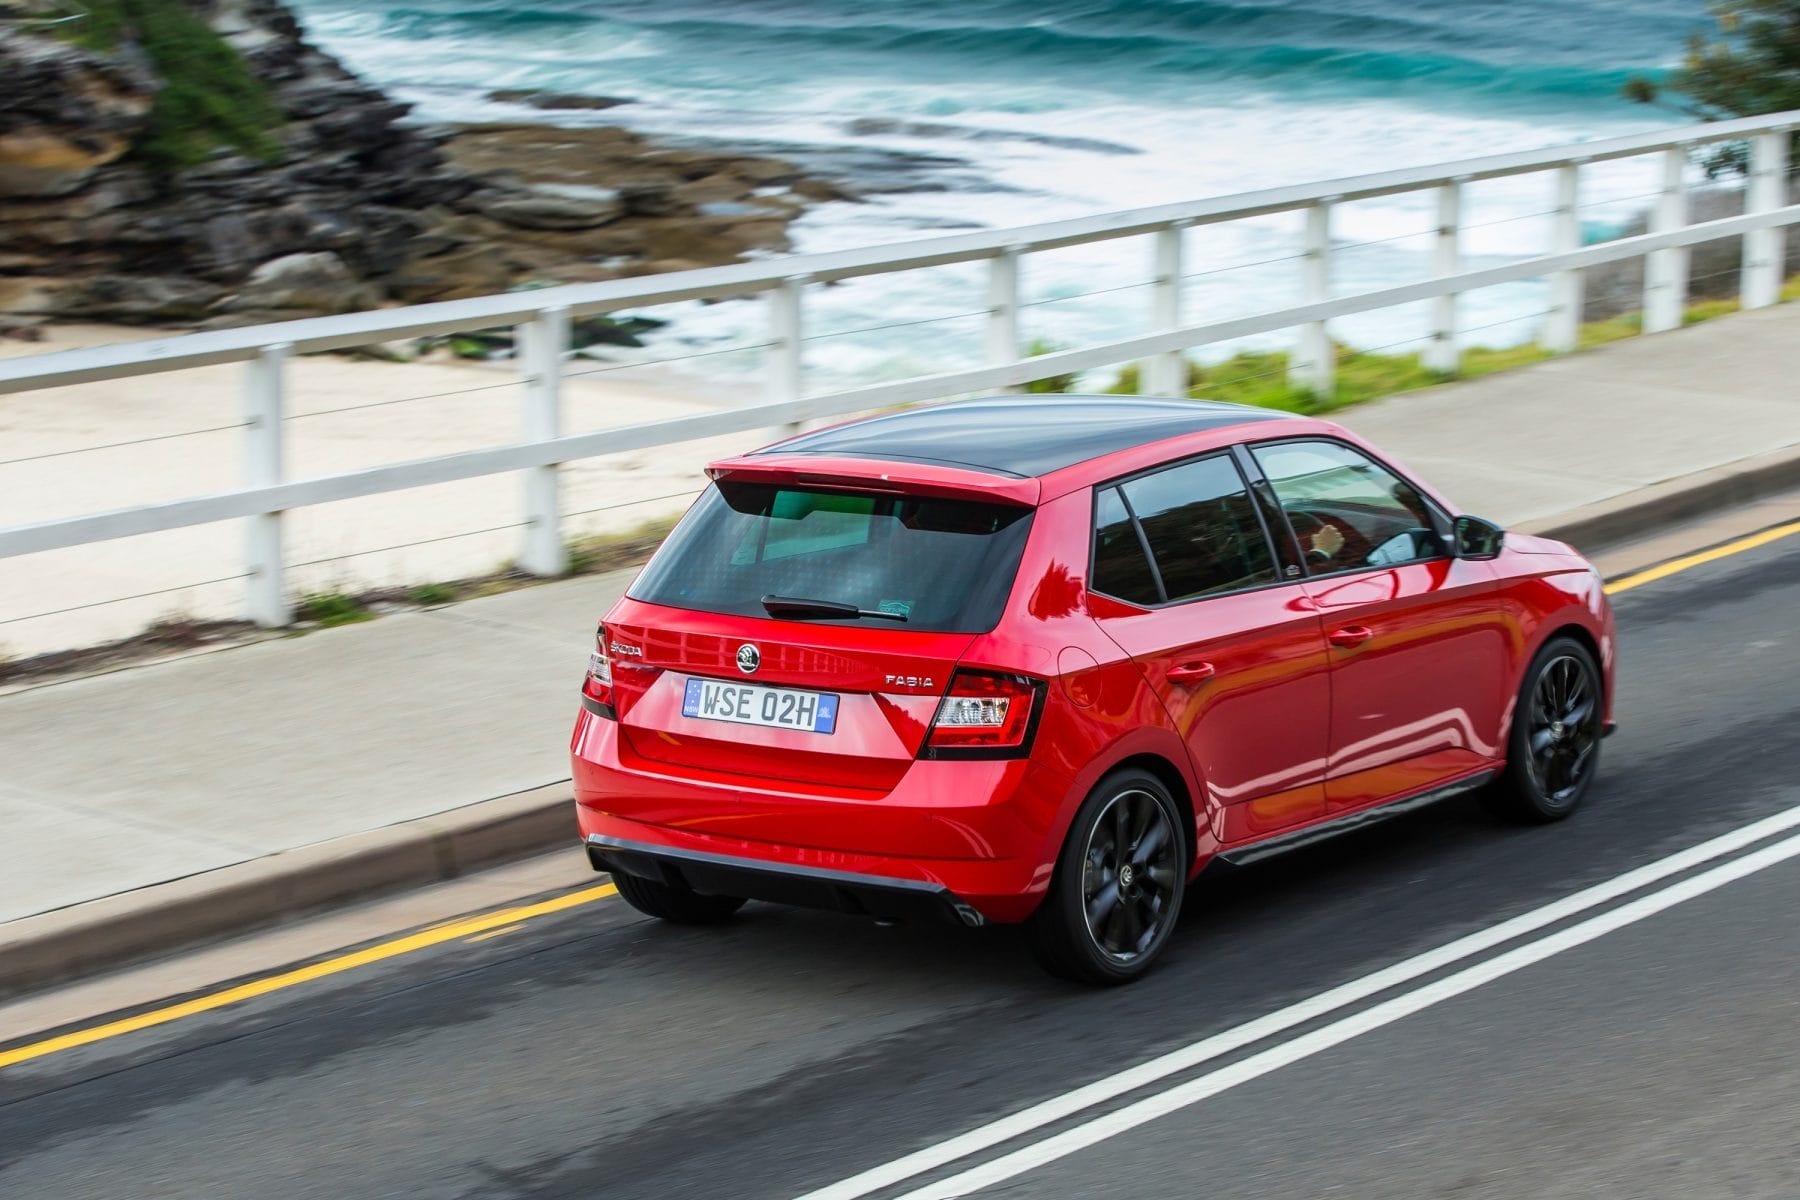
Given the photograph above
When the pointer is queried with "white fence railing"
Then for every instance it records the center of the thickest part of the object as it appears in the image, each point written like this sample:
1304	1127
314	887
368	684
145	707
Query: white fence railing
542	318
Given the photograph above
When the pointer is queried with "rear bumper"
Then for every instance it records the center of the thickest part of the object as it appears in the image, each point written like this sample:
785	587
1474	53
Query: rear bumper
780	883
982	833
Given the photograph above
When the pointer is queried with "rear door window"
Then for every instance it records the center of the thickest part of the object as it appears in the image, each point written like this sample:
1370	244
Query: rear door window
1120	566
945	565
1201	527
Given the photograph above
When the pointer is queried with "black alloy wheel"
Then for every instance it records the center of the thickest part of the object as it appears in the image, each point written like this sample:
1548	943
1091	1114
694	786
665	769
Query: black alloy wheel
1554	748
1118	885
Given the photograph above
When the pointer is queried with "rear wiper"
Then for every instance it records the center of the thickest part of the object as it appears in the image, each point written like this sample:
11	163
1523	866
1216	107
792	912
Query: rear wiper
795	606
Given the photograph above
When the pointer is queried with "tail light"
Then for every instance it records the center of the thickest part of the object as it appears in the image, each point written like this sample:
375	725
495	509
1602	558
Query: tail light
597	688
986	714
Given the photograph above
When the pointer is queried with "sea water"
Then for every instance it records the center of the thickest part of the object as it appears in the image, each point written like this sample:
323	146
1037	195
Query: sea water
954	115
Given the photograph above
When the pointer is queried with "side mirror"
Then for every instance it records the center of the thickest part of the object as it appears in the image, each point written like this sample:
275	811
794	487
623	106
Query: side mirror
1476	538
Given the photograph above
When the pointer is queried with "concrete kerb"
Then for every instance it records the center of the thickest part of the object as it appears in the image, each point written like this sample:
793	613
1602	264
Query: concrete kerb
100	935
115	931
1683	498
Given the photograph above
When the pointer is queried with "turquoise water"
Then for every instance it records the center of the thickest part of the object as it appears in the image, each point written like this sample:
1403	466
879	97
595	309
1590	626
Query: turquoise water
971	113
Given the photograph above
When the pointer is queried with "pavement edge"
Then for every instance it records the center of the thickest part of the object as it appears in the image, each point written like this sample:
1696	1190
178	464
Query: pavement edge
1685	497
115	931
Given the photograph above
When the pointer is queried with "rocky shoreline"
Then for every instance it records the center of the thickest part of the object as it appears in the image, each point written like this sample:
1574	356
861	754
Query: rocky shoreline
348	207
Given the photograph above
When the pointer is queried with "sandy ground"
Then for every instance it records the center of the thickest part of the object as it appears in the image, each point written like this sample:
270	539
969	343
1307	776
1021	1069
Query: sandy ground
53	464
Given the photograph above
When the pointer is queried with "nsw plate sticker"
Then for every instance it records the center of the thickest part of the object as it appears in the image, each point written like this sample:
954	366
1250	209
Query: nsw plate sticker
753	704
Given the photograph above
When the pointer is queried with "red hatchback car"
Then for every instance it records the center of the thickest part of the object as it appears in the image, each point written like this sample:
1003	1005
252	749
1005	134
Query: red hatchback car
1043	658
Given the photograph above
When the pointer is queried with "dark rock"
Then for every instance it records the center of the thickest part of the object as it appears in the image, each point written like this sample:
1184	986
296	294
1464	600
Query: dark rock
553	101
351	205
136	299
67	113
650	199
552	206
22	329
471	270
611	331
306	283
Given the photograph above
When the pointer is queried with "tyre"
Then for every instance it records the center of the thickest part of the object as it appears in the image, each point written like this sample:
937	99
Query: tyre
1119	880
1553	750
671	903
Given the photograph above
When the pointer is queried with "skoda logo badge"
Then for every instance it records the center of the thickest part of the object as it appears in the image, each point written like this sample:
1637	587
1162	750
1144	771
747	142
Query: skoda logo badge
748	658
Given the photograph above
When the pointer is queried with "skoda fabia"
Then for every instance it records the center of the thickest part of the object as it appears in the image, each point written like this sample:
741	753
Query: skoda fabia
1043	659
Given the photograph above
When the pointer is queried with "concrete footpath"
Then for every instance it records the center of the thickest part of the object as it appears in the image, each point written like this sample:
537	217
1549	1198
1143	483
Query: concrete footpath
159	805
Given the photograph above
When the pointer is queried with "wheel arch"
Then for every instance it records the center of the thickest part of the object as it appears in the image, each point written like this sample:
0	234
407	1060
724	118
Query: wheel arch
1567	625
1171	777
1163	754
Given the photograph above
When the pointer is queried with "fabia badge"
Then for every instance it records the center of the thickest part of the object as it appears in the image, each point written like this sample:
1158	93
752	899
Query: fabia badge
748	658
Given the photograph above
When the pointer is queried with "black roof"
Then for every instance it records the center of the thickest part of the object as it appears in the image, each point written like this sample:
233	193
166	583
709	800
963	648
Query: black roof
1022	436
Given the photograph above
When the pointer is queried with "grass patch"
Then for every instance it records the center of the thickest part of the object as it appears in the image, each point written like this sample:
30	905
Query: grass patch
330	609
616	551
210	99
432	593
1260	377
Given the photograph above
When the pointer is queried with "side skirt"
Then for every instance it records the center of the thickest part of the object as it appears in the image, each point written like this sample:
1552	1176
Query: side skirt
1361	819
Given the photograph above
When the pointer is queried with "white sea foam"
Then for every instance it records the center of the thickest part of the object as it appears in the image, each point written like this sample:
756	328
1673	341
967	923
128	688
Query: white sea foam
1010	146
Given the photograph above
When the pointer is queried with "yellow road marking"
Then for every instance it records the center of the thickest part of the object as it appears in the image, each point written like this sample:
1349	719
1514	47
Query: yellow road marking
318	970
1677	565
494	933
507	920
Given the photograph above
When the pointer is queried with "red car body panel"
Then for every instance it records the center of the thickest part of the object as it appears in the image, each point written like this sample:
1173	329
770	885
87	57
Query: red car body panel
1270	727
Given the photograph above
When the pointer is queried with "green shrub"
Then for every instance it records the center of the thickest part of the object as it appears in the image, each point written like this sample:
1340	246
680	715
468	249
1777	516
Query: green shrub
1050	383
209	99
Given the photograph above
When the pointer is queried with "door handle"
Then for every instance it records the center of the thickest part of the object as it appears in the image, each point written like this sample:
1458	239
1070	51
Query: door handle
1191	673
1350	636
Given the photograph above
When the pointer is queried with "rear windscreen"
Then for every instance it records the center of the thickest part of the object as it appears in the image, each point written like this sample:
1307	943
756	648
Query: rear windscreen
945	565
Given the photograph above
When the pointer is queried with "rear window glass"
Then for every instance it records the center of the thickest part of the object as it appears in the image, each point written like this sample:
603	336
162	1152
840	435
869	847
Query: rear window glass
945	565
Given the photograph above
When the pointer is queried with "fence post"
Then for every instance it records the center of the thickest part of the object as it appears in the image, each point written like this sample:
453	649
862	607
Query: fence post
1002	332
265	591
1562	329
1314	364
1166	374
543	345
1765	250
1441	353
785	345
1666	271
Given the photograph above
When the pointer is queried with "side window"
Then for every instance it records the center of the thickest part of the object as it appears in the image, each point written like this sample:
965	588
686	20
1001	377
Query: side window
1346	510
1201	527
1120	568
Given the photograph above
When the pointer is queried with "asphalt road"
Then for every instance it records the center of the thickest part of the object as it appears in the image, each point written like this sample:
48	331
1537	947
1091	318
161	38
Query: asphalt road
595	1054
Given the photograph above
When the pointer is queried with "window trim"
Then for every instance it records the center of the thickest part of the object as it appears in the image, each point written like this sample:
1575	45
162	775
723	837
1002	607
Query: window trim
1440	523
1269	507
1118	482
1027	517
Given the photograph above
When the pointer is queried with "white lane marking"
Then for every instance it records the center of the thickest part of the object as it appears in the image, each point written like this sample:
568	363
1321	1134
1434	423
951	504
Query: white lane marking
1058	1107
1387	1012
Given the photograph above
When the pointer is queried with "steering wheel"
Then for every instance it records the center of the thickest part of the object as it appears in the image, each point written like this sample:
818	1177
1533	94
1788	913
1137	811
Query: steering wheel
1327	539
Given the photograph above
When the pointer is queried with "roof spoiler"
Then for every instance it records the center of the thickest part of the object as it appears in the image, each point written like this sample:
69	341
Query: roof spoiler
878	476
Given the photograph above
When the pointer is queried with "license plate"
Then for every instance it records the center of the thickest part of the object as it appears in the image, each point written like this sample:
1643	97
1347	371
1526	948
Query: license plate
753	704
